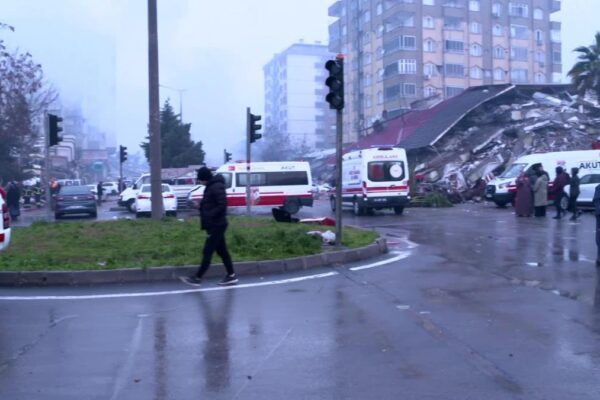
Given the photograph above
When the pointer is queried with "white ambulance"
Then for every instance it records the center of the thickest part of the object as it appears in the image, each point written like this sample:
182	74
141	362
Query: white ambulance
286	184
374	179
502	190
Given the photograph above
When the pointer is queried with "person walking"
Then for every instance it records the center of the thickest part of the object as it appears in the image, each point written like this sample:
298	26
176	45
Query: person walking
13	199
540	193
574	193
558	189
524	200
213	219
99	192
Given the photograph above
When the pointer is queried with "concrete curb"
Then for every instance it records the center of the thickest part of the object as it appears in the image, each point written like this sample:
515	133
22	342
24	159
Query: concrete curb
154	274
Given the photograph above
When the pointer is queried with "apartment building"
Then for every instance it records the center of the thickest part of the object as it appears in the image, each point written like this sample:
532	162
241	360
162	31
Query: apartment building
295	96
400	51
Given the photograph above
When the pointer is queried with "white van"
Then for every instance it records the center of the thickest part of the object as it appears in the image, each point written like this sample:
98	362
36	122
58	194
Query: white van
4	224
286	183
502	190
374	179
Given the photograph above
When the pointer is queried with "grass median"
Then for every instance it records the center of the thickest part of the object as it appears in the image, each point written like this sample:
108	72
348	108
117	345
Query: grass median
95	245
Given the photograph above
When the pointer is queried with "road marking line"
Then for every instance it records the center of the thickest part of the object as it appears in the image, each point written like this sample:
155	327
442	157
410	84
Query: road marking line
170	292
401	255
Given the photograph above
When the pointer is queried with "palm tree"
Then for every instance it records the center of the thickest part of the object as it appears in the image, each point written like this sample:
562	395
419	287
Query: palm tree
585	74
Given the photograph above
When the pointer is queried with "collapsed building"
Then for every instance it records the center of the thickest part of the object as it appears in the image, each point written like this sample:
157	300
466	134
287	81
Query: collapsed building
459	144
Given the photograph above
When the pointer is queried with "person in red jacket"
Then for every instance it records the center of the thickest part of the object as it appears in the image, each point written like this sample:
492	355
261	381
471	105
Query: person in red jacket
558	188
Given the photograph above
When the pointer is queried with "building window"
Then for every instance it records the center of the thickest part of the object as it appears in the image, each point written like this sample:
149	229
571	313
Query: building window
344	30
540	78
518	9
379	9
429	91
407	66
429	70
475	27
409	42
519	75
380	52
429	46
519	32
498	74
380	97
380	74
452	91
367	58
538	13
453	3
556	57
400	19
497	9
429	2
555	36
454	46
519	53
497	30
366	16
390	70
539	37
476	50
453	23
428	22
457	70
476	73
368	102
540	57
474	5
380	30
392	92
410	89
498	52
367	81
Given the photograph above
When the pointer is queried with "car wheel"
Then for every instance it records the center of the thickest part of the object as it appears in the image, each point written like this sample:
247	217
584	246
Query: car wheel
398	210
292	206
131	205
564	203
332	203
500	204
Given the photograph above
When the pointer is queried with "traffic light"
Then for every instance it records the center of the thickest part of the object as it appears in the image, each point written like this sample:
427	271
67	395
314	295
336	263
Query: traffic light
335	81
227	156
253	136
54	128
122	153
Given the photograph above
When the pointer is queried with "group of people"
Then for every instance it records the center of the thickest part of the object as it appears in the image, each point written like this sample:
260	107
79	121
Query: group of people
532	192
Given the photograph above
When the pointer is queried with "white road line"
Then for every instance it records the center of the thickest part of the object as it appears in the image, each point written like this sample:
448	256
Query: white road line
401	255
170	292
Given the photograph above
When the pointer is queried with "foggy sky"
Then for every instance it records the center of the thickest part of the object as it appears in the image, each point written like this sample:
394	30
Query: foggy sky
95	53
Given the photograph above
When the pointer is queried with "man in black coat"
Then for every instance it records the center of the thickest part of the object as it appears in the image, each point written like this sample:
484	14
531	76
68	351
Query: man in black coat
574	193
213	219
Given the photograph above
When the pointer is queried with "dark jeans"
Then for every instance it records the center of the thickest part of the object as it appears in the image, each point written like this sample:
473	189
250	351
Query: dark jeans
215	242
573	205
540	211
557	199
598	238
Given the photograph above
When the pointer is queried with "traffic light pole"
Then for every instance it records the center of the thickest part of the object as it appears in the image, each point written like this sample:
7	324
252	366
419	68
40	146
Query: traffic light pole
46	181
248	154
338	177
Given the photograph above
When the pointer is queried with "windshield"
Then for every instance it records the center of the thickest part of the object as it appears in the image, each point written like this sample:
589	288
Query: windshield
227	177
514	171
72	190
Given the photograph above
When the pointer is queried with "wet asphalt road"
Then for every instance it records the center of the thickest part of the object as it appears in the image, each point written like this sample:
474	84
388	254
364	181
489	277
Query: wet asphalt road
479	305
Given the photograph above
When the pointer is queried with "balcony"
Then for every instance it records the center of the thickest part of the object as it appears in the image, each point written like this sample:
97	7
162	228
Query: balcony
554	6
335	10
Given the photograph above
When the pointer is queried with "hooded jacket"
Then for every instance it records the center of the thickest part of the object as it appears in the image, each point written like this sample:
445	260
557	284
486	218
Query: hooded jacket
213	207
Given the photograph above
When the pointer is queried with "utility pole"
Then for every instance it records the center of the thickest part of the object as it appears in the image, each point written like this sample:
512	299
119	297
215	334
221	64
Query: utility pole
154	108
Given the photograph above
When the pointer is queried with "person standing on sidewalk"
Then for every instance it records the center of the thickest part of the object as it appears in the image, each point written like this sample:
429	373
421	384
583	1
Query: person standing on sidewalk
574	193
558	188
99	192
213	219
13	200
540	193
596	202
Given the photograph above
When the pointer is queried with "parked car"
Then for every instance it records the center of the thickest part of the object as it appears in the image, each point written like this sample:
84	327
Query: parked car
75	200
587	187
4	223
111	188
143	202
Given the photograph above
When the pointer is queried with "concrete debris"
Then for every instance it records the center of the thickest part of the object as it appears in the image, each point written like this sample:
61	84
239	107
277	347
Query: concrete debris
494	135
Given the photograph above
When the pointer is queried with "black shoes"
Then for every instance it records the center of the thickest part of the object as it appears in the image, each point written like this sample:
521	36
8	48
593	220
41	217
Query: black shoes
229	280
191	280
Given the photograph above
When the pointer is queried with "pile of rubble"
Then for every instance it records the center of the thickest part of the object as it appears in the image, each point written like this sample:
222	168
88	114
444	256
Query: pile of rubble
494	135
